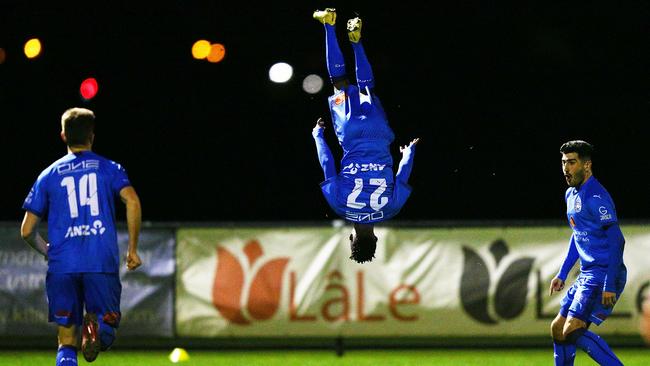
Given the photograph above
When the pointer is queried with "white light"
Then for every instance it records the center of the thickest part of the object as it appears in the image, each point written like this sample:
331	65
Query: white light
312	84
280	72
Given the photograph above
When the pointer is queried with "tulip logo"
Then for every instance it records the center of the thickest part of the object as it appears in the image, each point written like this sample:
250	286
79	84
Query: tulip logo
511	289
264	284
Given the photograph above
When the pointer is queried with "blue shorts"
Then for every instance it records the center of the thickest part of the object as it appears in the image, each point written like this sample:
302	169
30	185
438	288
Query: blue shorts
68	293
584	300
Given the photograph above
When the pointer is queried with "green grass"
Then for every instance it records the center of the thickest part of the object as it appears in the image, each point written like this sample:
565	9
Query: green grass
441	357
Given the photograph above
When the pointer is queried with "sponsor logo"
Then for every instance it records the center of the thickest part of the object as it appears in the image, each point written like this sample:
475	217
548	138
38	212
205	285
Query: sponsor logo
604	215
86	230
578	204
597	196
478	295
360	217
252	292
353	168
263	282
339	99
582	236
77	167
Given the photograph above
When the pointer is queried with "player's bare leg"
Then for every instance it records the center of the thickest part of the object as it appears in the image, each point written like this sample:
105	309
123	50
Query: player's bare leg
67	352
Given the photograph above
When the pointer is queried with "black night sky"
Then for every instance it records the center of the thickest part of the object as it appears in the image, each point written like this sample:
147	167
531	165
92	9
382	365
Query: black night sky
491	88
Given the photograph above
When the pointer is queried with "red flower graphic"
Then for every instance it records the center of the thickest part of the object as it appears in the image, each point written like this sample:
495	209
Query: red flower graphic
264	291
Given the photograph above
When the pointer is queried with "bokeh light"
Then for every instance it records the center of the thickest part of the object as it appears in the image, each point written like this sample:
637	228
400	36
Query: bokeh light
201	49
33	48
3	55
89	88
281	72
312	84
217	52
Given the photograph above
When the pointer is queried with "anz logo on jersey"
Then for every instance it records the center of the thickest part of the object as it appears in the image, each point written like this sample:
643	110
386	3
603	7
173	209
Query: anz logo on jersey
353	168
85	230
360	217
77	167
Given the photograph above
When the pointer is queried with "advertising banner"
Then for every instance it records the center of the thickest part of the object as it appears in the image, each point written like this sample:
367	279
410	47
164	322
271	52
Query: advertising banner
147	294
423	282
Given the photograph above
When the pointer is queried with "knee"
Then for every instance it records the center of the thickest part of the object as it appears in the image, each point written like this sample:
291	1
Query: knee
556	329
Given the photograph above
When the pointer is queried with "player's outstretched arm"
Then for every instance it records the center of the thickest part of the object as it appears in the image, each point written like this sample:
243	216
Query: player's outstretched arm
324	153
31	236
406	164
572	256
133	222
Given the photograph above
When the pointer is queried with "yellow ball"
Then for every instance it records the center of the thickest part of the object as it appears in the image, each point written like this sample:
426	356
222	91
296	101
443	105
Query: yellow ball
179	355
32	48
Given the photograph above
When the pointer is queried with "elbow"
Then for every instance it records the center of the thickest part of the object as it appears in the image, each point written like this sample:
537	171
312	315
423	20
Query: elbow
25	233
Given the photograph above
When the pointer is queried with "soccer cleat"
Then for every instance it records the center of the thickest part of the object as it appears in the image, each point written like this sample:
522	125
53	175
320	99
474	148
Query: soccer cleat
90	343
354	30
327	16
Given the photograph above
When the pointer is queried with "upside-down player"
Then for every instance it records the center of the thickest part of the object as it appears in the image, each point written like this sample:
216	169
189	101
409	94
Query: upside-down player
598	242
364	191
77	193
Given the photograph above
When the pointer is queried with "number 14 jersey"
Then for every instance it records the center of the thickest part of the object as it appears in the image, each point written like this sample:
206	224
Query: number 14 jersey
77	193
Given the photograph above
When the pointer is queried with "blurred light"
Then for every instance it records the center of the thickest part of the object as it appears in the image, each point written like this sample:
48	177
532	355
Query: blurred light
217	52
201	49
312	84
89	88
32	48
3	55
280	72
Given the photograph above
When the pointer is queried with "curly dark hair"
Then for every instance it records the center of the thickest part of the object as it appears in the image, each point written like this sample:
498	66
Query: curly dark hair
363	247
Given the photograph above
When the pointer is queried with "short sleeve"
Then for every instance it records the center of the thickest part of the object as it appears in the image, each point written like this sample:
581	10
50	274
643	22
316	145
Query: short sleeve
120	178
36	201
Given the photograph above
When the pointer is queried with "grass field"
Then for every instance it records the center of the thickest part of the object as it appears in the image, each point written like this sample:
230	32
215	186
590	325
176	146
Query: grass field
442	357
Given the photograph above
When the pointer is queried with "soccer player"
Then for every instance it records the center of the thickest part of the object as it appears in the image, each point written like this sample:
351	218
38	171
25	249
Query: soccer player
598	241
364	191
77	194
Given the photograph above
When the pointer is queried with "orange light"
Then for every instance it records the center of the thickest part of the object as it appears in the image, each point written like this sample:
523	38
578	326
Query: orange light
33	48
3	55
217	53
201	49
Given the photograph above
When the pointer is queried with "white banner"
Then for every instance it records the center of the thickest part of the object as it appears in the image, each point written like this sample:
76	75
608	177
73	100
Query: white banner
423	282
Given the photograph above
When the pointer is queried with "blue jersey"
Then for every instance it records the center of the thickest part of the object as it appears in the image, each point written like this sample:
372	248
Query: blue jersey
590	211
364	190
77	193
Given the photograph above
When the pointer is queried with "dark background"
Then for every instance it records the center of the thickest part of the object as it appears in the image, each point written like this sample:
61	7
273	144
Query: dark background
491	88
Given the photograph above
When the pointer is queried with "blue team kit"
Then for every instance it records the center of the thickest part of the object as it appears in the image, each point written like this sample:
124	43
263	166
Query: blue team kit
597	241
77	193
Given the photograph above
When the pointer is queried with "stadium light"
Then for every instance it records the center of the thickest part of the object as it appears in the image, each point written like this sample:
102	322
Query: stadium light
89	88
201	49
312	84
3	55
217	53
33	48
281	72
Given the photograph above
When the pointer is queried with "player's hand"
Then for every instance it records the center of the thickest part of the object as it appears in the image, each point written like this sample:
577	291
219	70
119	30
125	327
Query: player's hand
413	143
609	299
133	260
320	123
556	286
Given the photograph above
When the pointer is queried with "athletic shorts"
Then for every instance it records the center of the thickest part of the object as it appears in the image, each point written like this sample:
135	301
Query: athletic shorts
584	300
69	293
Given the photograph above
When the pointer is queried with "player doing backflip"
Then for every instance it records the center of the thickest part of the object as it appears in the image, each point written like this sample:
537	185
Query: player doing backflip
364	191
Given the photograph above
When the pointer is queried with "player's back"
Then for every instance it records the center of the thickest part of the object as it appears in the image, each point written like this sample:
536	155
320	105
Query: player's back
78	193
